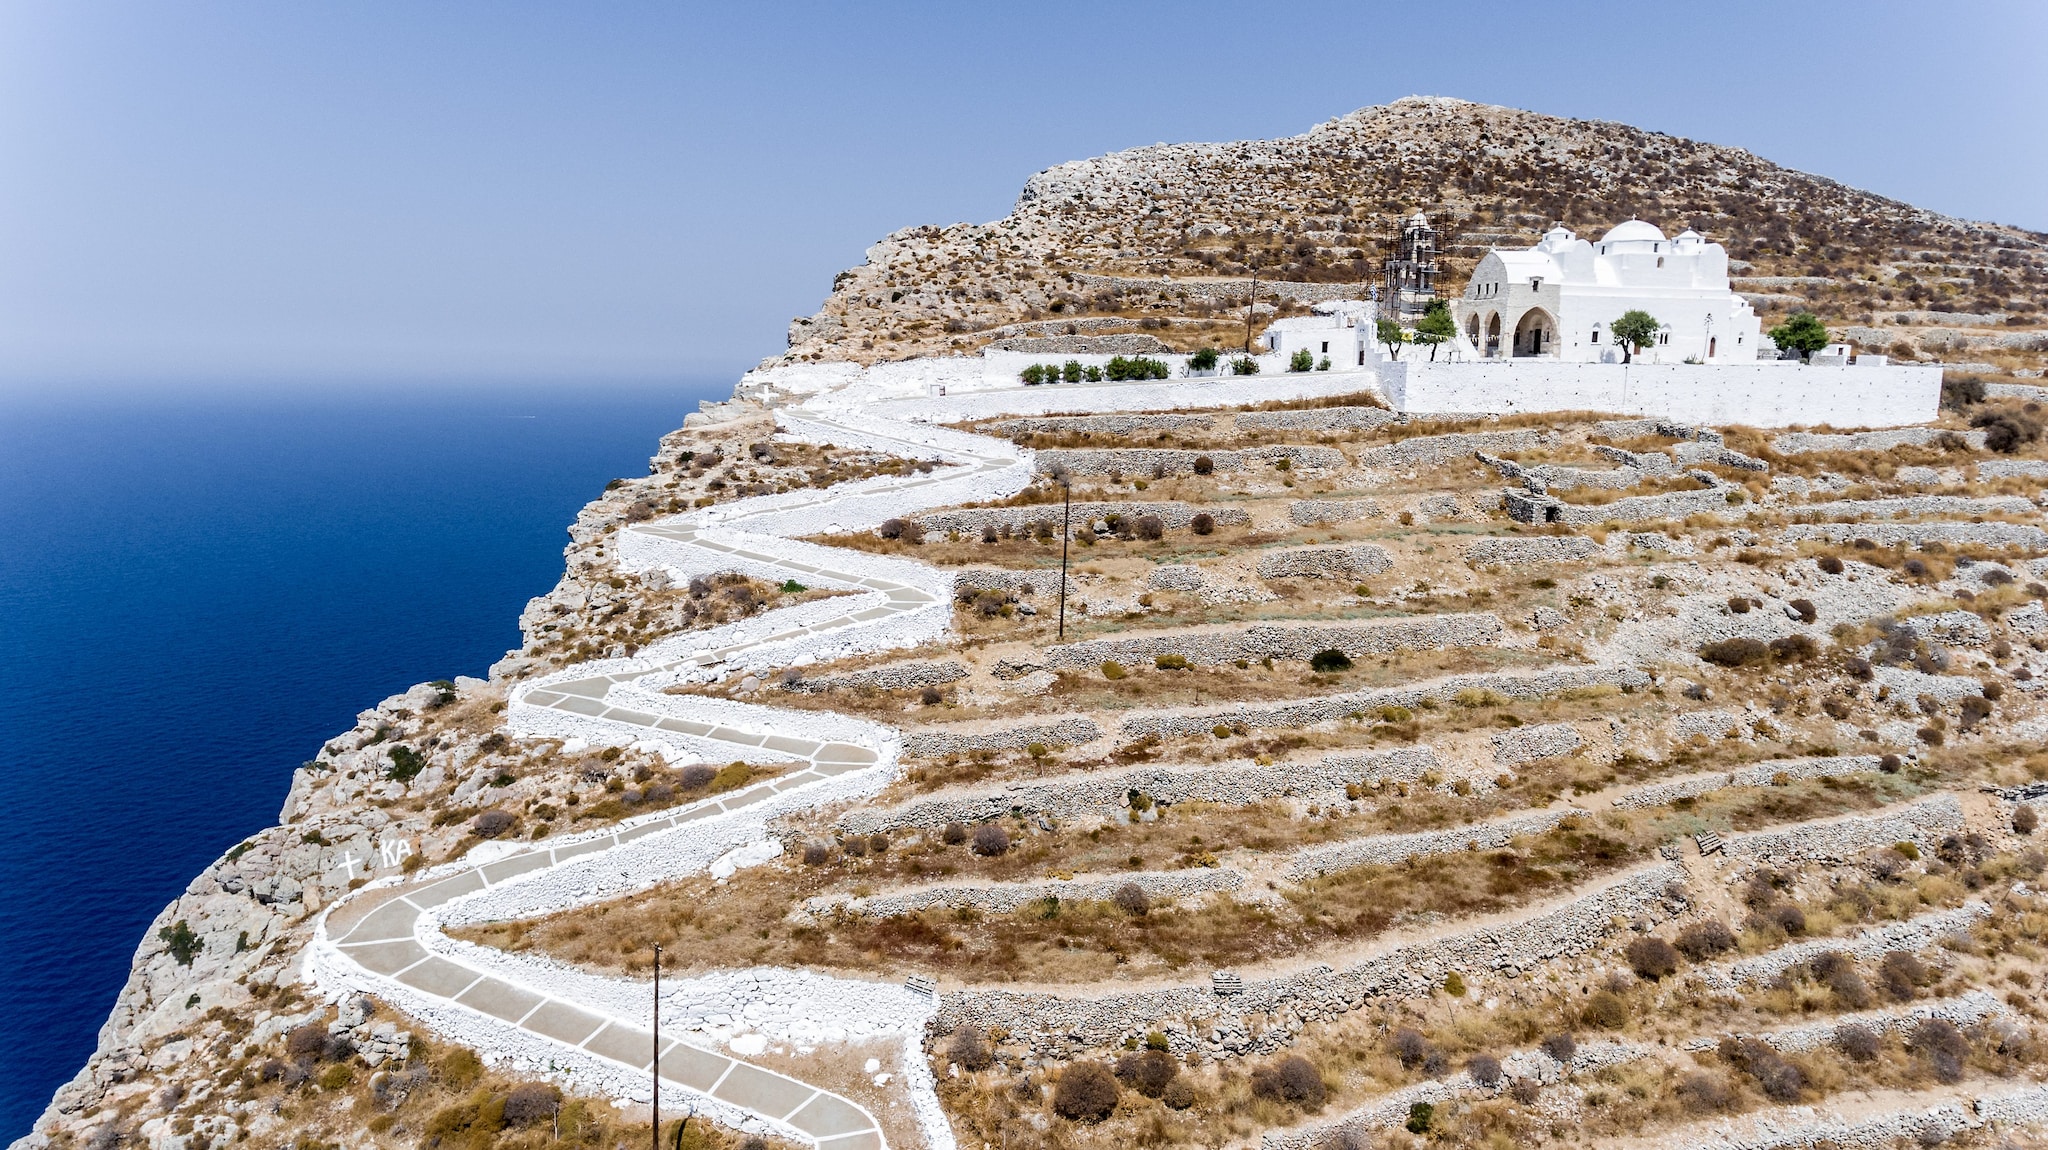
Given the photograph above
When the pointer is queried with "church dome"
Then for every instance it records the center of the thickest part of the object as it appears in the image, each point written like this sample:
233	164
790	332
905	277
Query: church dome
1636	231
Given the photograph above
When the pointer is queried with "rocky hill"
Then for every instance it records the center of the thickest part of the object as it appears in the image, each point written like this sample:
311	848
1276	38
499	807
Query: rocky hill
1161	240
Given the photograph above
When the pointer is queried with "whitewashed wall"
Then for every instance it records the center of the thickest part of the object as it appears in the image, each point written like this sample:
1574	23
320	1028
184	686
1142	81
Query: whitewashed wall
1774	394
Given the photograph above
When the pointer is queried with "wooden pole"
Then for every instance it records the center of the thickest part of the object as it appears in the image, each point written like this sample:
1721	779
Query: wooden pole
657	1047
1250	304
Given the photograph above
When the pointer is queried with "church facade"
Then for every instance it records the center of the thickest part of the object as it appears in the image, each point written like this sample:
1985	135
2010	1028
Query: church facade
1559	300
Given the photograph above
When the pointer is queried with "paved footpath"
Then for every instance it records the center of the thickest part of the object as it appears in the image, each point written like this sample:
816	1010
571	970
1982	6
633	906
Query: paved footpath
370	945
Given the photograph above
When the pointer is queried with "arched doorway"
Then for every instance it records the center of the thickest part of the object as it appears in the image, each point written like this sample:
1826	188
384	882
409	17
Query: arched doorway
1535	333
1492	347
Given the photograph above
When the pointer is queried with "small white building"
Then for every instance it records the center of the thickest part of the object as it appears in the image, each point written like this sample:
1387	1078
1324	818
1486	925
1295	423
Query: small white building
1341	331
1558	299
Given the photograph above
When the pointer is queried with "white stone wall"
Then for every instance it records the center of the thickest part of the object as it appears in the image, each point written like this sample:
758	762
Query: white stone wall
1762	395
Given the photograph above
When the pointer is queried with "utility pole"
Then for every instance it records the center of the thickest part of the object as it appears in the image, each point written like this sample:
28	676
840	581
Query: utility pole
657	1047
1066	530
1249	305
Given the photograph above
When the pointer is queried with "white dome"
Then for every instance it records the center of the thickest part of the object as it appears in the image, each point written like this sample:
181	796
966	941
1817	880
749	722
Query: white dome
1633	230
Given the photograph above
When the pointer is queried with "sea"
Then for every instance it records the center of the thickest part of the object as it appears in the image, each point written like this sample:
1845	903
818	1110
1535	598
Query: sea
200	583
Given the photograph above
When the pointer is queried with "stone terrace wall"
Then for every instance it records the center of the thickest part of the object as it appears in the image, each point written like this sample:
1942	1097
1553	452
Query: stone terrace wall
1142	461
1100	424
1309	512
1760	775
1921	534
1388	850
973	519
1309	712
1026	583
1540	549
1104	793
2012	469
1923	822
1530	508
1910	934
1353	562
1196	1020
1916	505
1805	442
1064	733
1358	640
893	677
1530	744
1427	449
1318	419
1671	429
1002	898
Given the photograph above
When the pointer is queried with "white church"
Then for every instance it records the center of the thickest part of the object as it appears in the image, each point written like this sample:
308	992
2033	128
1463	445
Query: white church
1557	300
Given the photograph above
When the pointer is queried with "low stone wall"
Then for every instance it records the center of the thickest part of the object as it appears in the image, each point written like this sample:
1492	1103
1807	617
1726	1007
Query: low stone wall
1539	549
1064	733
1388	850
1693	454
1912	505
1356	640
1318	419
1530	744
894	677
1526	507
1027	584
1353	562
1310	512
1099	424
1914	933
1763	774
973	519
1161	461
1964	1010
1428	449
1669	428
1710	724
1106	793
2013	468
1921	534
1054	346
1195	1020
1002	898
1309	712
1924	822
1806	442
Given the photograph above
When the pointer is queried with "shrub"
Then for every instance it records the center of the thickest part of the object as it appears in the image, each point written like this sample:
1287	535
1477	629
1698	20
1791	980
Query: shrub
1086	1092
1738	604
1484	1069
1420	1115
2024	820
1150	528
696	776
1805	609
1605	1010
1132	900
1735	652
181	942
1838	973
891	528
491	824
1561	1047
1901	975
1179	1094
1111	669
1149	1072
815	853
1244	365
1170	662
953	834
1204	359
1301	361
531	1102
1292	1079
406	763
1704	1093
968	1049
2006	432
1780	1080
1944	1047
1033	375
1794	649
1702	940
1411	1048
1830	564
930	696
990	840
1652	958
855	847
1071	371
1961	391
1454	984
306	1043
1329	661
1789	918
1858	1042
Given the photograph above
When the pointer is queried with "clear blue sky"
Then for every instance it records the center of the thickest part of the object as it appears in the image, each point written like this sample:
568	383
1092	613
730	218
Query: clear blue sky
297	191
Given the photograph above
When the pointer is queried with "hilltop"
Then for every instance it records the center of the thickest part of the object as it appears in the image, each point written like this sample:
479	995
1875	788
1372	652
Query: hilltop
1088	244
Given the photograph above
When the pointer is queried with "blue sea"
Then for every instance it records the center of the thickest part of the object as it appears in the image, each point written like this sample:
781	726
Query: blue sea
199	585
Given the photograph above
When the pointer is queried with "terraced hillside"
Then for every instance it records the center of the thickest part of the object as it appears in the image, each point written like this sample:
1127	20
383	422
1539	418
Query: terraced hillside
1159	243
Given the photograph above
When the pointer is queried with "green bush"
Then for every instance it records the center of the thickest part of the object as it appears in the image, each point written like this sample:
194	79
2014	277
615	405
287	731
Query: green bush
183	945
1171	662
1072	371
1329	661
1033	375
1138	367
1420	1115
1301	361
1244	365
792	587
1111	669
406	763
1204	360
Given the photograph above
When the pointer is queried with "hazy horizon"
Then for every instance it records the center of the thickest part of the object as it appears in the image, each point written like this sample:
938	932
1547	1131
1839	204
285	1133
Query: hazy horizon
286	196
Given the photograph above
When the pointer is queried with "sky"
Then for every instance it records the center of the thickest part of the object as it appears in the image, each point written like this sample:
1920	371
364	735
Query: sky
298	194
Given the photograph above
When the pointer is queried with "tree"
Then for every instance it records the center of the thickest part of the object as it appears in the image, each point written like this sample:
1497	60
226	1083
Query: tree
1301	360
1390	333
1436	327
1634	331
1803	333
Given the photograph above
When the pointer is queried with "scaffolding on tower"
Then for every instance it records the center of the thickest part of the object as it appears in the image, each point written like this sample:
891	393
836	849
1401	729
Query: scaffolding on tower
1409	284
